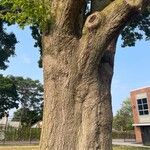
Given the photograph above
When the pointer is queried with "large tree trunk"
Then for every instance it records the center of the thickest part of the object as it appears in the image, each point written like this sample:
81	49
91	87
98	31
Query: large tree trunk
78	114
77	76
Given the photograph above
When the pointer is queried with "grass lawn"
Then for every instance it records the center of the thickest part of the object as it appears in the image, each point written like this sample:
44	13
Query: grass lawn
18	147
128	148
36	148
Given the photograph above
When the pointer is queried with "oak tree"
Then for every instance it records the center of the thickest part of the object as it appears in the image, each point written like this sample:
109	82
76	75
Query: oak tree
78	47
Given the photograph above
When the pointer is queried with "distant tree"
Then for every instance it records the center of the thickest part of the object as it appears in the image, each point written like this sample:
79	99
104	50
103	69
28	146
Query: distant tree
28	118
124	118
8	95
30	94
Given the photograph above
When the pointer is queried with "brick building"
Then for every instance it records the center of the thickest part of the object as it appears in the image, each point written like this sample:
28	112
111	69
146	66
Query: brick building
140	101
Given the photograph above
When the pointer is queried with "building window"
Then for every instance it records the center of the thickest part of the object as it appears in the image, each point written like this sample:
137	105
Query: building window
143	106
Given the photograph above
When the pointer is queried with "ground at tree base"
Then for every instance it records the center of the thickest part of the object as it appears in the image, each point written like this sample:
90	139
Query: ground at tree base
36	148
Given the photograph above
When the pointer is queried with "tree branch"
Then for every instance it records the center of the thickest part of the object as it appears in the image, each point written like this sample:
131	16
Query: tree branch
101	28
67	14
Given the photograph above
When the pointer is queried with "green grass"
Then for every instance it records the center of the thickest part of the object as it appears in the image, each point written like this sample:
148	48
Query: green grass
36	148
129	148
18	147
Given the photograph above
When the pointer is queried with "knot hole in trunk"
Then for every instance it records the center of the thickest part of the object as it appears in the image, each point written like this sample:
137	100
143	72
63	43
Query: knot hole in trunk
93	21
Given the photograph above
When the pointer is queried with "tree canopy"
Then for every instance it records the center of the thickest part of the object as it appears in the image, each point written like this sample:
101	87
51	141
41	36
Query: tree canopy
26	12
7	45
8	95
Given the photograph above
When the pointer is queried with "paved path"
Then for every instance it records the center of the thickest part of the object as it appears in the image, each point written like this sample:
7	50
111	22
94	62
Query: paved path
128	143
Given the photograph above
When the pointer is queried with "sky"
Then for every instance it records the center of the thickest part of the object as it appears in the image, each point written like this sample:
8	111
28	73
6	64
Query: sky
132	65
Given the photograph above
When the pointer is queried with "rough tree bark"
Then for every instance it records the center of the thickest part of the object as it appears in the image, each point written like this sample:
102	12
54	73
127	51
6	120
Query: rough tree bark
78	70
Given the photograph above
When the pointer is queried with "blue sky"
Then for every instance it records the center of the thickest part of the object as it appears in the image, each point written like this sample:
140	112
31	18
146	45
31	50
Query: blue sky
131	65
132	70
25	62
